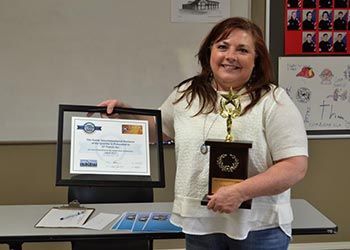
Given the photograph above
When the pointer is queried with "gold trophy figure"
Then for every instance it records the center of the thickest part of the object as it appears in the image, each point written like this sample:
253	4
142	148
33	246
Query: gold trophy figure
230	108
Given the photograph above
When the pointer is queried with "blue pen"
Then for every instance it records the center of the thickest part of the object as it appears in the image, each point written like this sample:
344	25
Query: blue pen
72	215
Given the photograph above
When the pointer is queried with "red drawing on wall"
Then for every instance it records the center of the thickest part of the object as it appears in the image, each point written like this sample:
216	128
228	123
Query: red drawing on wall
306	72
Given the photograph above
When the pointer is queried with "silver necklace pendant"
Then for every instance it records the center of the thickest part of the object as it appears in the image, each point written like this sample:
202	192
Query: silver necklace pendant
204	149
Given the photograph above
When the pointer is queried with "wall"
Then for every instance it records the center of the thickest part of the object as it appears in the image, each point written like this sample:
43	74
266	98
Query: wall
84	51
326	185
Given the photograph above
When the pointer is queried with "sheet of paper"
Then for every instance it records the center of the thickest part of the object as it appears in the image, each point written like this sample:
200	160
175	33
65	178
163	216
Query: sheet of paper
100	221
57	217
109	146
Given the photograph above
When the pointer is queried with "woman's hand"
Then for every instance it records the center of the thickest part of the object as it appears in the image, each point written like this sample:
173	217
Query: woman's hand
114	103
275	180
226	199
111	104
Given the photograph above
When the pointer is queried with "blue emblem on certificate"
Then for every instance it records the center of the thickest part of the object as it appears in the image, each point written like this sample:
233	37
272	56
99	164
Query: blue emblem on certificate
89	127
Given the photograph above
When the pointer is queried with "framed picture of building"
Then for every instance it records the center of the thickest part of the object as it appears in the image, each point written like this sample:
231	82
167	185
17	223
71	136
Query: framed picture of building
199	10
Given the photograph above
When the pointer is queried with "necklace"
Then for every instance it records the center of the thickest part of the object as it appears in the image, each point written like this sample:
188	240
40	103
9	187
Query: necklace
203	147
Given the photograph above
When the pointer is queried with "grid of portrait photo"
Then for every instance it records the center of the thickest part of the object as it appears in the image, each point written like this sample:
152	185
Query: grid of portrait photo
317	27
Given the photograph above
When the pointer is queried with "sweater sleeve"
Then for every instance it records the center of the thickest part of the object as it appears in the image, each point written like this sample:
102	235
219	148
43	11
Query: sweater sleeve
284	127
167	112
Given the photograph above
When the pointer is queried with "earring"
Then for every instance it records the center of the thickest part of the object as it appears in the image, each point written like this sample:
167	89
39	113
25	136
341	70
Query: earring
210	77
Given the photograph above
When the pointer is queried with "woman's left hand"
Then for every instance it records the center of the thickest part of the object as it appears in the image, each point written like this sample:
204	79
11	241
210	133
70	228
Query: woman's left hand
281	176
226	199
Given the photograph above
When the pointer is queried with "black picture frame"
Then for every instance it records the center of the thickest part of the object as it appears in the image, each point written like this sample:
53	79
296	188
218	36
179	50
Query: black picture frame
107	180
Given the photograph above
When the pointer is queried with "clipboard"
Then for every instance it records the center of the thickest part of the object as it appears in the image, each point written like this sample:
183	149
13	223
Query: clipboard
66	216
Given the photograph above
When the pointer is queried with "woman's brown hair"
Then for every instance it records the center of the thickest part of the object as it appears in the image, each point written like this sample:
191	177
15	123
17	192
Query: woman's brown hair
201	84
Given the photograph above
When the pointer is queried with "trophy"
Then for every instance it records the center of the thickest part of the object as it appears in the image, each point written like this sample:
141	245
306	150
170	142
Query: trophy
228	159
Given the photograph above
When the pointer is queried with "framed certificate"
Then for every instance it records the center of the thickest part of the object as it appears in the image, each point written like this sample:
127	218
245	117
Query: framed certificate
122	149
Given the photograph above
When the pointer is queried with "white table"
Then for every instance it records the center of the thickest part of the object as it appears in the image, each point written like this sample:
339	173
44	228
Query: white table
17	223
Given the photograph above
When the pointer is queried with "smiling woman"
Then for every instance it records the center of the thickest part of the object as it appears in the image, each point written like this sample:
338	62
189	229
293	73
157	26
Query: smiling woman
233	56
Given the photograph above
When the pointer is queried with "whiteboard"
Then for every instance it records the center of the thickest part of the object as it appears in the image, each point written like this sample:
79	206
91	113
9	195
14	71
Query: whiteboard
85	51
320	88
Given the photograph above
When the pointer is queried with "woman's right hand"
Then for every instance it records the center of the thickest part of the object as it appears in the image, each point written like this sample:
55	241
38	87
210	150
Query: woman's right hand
111	104
114	103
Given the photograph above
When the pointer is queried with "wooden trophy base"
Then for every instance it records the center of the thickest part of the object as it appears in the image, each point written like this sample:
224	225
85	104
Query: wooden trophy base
228	165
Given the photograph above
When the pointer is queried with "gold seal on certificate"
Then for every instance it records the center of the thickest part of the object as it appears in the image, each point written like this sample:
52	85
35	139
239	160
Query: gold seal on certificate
228	159
109	146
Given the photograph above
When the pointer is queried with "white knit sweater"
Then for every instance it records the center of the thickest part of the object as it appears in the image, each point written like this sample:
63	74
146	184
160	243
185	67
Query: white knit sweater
277	131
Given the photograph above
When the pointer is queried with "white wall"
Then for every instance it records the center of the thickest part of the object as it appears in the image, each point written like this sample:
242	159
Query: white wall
85	51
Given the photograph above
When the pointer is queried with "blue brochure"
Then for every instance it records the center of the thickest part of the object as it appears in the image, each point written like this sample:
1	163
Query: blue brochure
160	221
146	222
126	222
140	221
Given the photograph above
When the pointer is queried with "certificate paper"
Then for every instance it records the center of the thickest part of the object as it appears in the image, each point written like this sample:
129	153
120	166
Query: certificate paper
109	146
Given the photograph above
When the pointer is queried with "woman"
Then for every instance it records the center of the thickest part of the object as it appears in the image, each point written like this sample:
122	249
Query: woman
308	23
325	23
293	22
234	56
